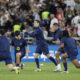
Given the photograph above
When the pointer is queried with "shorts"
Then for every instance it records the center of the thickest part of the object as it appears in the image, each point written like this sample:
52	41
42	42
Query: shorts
61	50
6	57
73	56
42	49
22	55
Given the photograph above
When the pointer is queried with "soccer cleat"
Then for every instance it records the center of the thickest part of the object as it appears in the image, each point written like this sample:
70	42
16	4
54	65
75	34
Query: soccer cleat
57	69
17	70
65	72
38	70
22	66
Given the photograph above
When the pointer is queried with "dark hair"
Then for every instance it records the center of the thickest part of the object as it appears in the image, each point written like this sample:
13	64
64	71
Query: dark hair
17	33
65	33
56	24
2	31
37	21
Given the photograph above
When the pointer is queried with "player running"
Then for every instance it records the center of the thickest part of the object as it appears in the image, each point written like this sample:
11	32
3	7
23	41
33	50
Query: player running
19	46
41	44
56	33
5	52
71	49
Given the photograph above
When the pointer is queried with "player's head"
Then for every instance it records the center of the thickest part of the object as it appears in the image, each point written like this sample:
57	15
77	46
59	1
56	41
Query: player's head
36	23
17	34
55	26
65	33
2	32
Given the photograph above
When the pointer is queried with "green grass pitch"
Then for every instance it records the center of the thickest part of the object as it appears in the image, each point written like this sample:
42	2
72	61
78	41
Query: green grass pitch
46	73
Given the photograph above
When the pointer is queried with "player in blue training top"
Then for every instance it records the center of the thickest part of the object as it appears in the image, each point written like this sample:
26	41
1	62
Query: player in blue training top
41	44
56	33
70	45
5	51
19	45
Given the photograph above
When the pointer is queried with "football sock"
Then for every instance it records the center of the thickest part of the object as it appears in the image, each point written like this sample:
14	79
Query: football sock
65	66
37	62
17	65
53	60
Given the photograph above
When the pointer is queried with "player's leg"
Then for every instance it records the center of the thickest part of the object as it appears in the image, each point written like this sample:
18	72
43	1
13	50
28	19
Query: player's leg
65	62
57	57
76	63
10	66
37	62
45	50
58	61
37	52
52	59
18	57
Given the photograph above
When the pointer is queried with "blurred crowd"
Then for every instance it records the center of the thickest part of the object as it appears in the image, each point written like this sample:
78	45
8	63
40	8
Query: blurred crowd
20	15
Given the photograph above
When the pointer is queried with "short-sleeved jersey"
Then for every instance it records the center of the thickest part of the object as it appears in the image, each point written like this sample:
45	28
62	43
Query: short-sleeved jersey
70	45
19	45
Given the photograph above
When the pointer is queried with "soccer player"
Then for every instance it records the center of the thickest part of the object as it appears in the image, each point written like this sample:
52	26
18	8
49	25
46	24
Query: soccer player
5	51
19	46
41	44
56	33
71	49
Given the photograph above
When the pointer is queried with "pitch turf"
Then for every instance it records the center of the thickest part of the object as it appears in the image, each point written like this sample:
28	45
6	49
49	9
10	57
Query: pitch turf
46	74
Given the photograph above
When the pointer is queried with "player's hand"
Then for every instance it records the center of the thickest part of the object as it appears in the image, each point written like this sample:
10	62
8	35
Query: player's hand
79	45
27	55
24	31
51	30
58	41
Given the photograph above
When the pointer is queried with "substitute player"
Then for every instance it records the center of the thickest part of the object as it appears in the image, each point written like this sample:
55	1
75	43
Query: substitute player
41	44
71	49
56	33
5	51
19	46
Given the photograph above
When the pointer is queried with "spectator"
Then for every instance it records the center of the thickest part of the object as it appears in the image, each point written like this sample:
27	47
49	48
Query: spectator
27	27
45	33
53	20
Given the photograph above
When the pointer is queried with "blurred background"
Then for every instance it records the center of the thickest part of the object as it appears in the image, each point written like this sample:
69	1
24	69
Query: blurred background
20	15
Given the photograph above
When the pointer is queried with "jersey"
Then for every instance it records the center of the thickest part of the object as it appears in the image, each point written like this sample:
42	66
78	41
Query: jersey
19	45
57	34
5	50
38	33
70	46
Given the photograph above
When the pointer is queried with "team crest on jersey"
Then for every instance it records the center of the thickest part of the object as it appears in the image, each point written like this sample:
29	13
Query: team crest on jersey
18	48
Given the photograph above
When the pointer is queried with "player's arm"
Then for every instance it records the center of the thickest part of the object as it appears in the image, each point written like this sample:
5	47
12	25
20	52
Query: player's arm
12	45
55	36
27	51
62	43
77	42
11	48
33	34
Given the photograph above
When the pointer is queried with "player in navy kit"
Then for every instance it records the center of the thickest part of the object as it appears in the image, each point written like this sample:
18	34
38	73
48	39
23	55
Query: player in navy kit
41	44
5	51
56	33
19	45
70	45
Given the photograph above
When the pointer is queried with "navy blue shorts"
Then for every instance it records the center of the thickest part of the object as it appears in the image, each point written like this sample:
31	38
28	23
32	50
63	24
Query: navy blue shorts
42	49
72	56
61	50
22	55
6	57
